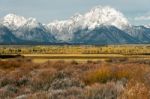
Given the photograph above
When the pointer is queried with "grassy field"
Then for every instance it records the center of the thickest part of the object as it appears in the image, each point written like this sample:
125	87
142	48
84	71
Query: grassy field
109	79
75	72
82	53
40	58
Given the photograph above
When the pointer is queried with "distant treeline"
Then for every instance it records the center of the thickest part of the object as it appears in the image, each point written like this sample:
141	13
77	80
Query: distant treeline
75	49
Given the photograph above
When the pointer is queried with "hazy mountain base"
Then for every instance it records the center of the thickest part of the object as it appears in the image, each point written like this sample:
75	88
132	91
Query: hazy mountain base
112	79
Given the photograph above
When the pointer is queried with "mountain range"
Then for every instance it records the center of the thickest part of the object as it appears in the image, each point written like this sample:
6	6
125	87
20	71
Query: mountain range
101	25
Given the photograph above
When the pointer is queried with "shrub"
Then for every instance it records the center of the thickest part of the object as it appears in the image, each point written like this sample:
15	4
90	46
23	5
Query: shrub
64	80
117	60
4	82
105	74
42	80
135	90
107	91
74	62
71	80
5	94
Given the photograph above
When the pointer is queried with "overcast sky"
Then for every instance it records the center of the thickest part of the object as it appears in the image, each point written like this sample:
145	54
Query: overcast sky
137	11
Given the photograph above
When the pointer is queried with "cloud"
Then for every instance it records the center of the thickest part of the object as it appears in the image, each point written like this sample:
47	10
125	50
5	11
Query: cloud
142	18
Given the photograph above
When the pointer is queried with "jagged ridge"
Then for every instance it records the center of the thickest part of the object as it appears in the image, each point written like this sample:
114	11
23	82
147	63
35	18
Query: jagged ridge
101	25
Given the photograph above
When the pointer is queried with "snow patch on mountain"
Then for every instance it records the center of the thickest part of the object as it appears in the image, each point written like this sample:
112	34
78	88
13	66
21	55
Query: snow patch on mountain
32	23
63	30
105	16
13	21
147	26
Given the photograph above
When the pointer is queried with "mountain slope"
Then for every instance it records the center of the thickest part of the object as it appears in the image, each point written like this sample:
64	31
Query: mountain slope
6	36
139	32
63	30
27	29
101	25
34	31
103	35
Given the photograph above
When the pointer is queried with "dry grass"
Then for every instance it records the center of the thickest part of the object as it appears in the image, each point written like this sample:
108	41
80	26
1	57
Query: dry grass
125	79
105	74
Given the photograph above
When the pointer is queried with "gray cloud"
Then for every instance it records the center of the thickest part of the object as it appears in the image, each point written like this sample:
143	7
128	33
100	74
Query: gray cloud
142	18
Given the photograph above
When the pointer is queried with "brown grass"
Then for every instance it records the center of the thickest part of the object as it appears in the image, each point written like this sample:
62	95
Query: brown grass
74	80
105	74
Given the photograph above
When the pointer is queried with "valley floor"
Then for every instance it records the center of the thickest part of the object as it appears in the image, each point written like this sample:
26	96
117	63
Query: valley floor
115	78
75	72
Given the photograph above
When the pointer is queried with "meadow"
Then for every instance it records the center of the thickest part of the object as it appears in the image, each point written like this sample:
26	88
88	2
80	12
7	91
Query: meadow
76	52
92	72
140	49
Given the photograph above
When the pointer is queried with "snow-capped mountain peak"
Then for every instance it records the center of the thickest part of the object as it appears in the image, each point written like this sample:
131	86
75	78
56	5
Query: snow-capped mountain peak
94	18
105	16
14	21
101	25
32	23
